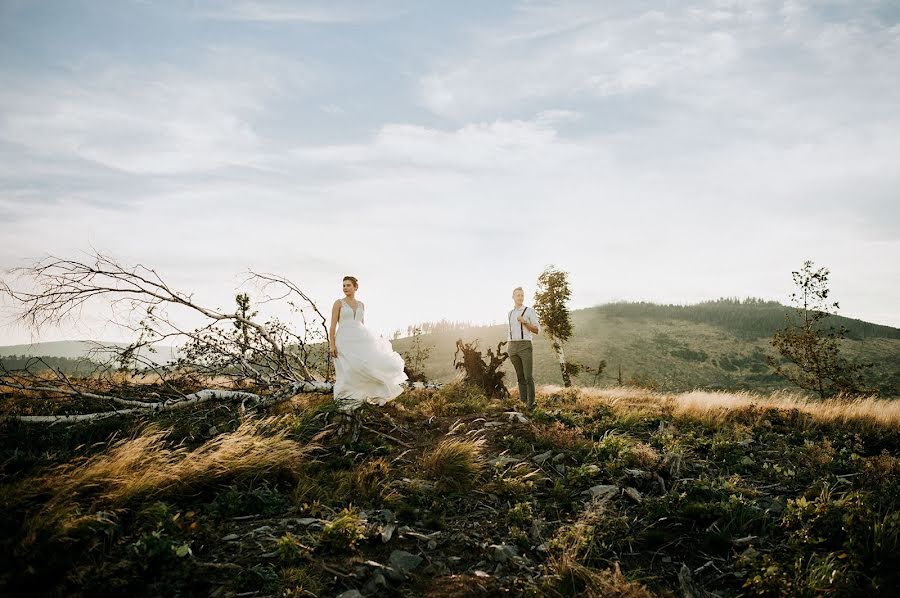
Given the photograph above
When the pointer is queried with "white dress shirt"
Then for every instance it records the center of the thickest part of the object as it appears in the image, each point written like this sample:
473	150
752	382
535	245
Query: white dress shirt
518	332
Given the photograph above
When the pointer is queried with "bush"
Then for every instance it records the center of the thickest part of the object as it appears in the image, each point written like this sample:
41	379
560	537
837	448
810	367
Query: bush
454	464
343	532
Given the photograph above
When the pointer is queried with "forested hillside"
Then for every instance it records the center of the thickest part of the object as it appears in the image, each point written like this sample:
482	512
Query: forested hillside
718	345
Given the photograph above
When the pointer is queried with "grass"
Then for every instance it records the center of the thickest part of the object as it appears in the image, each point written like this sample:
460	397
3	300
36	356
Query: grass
716	407
147	467
454	464
785	496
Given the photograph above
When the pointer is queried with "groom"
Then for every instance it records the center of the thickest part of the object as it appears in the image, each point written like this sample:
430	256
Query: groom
523	324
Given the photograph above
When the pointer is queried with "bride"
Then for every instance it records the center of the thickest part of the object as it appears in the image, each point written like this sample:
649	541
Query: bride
367	370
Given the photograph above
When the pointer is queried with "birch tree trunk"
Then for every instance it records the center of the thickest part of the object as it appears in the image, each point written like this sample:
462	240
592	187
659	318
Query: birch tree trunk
561	356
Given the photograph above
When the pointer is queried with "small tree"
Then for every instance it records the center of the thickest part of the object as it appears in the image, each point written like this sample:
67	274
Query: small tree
551	304
415	358
808	353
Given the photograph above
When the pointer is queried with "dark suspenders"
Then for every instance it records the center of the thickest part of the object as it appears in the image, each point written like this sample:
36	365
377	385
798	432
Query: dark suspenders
521	324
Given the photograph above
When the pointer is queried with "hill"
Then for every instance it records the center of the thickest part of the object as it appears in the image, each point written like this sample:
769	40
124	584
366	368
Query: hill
714	345
79	350
599	492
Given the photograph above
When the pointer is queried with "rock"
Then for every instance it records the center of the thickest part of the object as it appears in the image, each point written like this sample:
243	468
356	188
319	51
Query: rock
404	562
376	584
230	537
559	457
503	552
538	527
633	494
603	491
387	531
307	520
685	580
394	575
492	424
350	594
479	573
540	459
560	468
516	416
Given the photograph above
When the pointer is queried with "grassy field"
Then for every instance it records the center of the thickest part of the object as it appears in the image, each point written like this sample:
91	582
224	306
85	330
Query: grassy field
600	492
673	349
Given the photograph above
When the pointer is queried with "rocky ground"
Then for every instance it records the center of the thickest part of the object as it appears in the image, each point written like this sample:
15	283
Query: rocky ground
446	493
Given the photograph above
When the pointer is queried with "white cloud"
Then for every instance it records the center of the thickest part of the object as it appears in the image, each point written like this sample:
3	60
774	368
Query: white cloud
152	119
672	155
281	11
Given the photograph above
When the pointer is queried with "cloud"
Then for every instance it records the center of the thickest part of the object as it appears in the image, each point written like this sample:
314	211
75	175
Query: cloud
152	119
281	11
758	54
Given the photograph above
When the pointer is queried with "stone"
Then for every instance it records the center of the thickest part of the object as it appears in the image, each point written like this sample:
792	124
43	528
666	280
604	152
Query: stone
603	491
404	562
307	520
540	459
503	552
350	594
516	416
387	532
633	494
376	584
230	537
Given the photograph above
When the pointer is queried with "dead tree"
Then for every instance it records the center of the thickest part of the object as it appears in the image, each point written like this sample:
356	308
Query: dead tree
485	375
237	347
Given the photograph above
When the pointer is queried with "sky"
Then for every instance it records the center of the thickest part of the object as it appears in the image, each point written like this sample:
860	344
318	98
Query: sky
444	153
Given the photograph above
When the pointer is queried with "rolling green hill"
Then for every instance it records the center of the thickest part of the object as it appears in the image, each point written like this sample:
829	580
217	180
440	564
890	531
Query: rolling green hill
717	344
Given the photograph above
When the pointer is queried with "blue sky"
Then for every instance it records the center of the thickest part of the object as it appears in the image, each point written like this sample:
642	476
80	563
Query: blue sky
446	152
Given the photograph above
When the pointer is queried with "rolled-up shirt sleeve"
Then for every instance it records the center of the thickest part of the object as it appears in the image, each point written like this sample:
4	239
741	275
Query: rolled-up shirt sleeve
533	320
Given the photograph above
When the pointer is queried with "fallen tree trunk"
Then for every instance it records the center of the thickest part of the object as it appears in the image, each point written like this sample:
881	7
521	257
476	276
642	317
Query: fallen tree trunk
201	396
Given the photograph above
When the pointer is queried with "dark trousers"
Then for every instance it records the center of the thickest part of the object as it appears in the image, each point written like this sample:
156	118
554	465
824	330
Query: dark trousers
520	354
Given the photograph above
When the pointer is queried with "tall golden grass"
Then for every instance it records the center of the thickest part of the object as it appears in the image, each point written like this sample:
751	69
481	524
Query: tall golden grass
147	467
454	463
717	406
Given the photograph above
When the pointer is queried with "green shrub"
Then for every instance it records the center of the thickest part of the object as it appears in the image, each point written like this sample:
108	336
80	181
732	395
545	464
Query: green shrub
343	532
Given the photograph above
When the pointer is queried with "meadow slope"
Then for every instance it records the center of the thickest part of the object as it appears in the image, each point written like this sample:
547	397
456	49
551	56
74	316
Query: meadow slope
720	345
599	492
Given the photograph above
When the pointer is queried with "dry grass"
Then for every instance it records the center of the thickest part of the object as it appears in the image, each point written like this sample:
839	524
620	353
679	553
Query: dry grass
559	436
454	463
574	579
146	467
367	483
715	407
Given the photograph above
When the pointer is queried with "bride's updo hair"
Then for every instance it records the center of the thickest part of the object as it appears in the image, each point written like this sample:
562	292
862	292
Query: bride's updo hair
353	280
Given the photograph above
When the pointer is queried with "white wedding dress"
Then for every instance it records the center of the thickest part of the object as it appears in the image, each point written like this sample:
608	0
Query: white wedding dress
367	370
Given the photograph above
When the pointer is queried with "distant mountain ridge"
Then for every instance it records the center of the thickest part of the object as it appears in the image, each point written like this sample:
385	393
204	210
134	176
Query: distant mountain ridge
714	344
80	349
720	344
